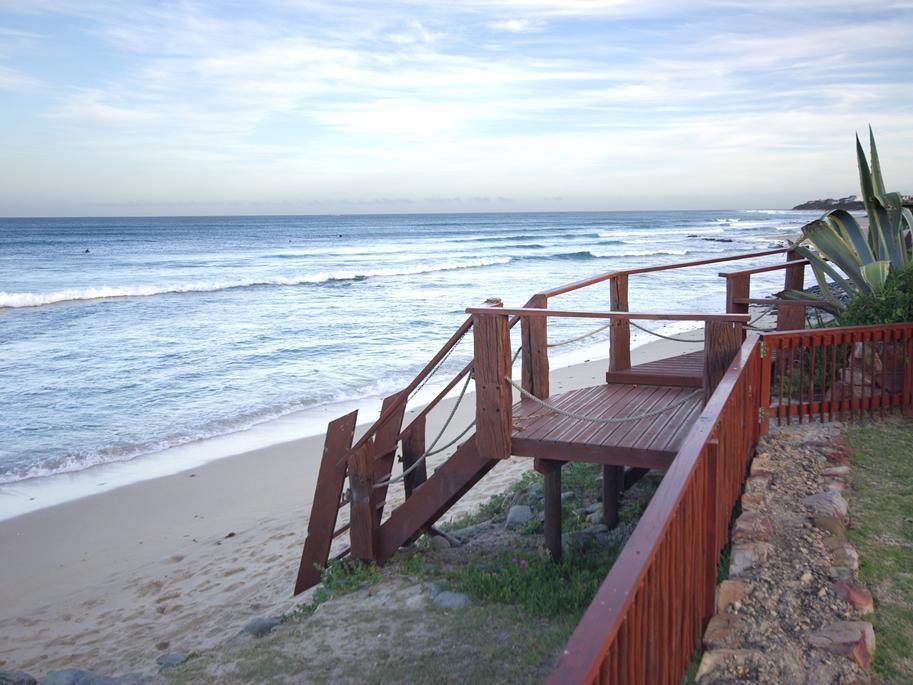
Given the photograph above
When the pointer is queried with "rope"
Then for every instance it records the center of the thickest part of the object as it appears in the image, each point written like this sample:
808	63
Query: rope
580	337
609	421
437	367
667	337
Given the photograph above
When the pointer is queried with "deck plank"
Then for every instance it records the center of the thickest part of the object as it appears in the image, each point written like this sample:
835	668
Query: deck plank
685	370
648	443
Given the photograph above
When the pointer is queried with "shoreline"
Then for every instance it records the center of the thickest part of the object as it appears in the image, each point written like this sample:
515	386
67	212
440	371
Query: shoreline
180	562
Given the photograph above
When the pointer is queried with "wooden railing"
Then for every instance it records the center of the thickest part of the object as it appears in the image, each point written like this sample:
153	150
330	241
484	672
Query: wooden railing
648	615
835	373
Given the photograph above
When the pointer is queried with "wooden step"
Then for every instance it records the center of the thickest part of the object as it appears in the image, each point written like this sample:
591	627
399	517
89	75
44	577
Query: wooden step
430	500
686	370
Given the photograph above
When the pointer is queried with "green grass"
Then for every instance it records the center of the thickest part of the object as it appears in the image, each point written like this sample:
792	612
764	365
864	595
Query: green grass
881	507
533	581
340	577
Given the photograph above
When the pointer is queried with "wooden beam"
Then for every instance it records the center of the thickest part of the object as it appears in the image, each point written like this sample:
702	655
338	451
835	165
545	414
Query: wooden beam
413	449
551	493
721	344
385	445
737	286
620	329
626	316
492	363
363	517
612	482
325	507
534	334
793	318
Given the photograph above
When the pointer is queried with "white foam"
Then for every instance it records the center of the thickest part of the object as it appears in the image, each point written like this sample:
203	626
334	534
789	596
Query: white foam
15	300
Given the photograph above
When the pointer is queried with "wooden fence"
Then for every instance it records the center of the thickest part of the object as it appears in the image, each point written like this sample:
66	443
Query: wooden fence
648	615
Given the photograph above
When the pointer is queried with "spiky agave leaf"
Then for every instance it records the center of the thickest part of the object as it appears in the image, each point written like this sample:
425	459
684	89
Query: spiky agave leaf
831	244
869	197
822	269
849	228
876	274
876	165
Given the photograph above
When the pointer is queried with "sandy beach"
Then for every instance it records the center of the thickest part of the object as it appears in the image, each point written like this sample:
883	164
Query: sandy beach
179	563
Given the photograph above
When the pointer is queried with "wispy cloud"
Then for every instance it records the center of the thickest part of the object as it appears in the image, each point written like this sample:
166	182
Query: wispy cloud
484	97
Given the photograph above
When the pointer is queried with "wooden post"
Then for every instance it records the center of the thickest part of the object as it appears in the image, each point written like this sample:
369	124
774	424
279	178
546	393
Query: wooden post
792	317
612	482
619	331
325	507
492	366
711	524
413	449
907	393
721	344
738	286
363	530
534	332
551	492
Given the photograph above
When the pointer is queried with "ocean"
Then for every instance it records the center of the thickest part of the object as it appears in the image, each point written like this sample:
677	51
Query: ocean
140	343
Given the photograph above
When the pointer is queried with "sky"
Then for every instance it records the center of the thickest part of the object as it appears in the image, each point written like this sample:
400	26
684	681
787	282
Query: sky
112	108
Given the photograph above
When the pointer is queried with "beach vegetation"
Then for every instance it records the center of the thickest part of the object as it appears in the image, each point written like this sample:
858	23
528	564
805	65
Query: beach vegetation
881	502
848	261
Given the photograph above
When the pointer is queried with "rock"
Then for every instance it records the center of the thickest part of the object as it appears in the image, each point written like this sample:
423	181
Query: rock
845	556
432	589
596	517
752	501
756	485
131	679
260	627
451	600
752	526
568	495
713	660
595	529
170	660
723	632
853	639
856	595
836	472
828	503
730	591
16	678
439	542
747	556
596	506
75	676
470	532
518	515
831	524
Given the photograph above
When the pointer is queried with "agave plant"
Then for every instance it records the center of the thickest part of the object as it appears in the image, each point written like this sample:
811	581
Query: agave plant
854	259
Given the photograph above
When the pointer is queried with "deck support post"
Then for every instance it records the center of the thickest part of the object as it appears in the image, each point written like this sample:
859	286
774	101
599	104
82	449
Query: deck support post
534	333
551	470
492	367
612	483
363	531
722	340
738	287
619	330
792	317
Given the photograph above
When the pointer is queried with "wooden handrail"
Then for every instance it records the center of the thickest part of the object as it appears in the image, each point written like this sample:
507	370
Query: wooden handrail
562	289
763	269
625	316
777	302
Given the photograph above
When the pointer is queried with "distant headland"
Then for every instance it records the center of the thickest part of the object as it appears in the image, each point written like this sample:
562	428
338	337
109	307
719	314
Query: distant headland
849	203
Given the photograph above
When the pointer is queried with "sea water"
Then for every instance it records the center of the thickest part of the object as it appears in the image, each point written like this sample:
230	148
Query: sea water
133	340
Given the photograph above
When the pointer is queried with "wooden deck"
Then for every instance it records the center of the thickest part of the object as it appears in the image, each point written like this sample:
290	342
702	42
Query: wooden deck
646	443
686	370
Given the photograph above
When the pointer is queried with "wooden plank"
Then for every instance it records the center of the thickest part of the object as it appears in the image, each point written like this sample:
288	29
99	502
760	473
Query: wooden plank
619	330
493	393
686	370
385	444
593	280
325	507
363	518
626	316
414	449
594	454
534	355
721	344
450	481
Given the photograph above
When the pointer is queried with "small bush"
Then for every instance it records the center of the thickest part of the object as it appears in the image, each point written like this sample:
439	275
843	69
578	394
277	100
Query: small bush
893	305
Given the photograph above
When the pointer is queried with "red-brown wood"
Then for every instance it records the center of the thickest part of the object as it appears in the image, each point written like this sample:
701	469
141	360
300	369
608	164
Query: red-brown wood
385	445
625	316
721	343
413	449
686	370
619	330
363	517
325	507
493	392
534	355
738	287
792	317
